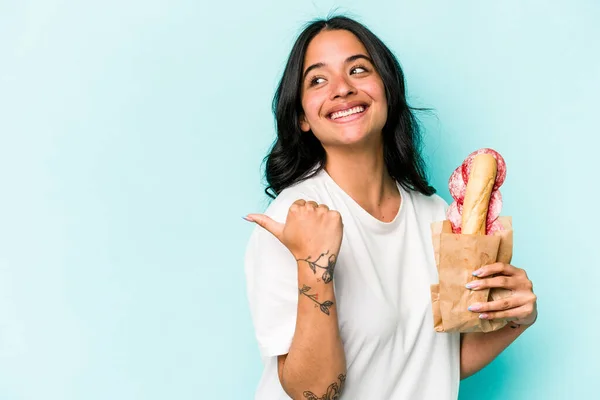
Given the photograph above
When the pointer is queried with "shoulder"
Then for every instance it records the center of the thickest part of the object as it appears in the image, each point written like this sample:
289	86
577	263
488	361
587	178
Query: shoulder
433	205
308	189
434	201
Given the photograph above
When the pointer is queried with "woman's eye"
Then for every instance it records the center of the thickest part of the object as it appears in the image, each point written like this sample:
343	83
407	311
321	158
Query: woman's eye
358	70
316	81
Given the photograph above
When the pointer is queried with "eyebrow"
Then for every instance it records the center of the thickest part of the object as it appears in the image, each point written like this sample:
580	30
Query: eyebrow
348	60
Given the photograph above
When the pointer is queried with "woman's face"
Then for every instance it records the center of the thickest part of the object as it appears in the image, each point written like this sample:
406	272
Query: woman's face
343	97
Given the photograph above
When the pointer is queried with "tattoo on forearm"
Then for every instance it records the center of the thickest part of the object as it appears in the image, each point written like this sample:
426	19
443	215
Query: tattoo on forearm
328	274
333	391
324	306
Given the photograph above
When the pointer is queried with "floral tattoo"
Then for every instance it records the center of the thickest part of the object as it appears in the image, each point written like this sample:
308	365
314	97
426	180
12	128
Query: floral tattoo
328	274
323	306
333	391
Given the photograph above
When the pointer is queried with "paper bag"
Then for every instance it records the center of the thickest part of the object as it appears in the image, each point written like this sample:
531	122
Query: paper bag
457	256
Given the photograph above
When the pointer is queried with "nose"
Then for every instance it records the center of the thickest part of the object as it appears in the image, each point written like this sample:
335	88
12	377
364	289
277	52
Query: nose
342	87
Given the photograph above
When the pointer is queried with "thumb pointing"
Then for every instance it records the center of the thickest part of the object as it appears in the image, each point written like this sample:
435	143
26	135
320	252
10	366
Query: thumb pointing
276	228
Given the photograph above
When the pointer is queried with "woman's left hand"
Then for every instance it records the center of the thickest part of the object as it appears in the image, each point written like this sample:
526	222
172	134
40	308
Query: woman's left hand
520	306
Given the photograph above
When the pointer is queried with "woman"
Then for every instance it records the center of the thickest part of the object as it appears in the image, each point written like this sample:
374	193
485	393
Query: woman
339	270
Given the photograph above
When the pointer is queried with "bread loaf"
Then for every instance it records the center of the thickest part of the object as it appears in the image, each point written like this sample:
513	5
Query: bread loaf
477	197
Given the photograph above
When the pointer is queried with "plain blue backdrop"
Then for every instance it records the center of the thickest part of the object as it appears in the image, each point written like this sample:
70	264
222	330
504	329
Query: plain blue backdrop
131	137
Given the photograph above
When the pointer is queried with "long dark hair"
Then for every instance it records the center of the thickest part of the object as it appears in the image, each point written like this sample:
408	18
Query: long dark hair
298	155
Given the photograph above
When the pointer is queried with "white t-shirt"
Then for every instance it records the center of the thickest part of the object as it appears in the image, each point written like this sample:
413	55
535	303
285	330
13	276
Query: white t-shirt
382	279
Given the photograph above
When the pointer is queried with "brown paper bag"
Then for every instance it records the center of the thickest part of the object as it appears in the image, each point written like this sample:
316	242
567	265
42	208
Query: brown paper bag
457	257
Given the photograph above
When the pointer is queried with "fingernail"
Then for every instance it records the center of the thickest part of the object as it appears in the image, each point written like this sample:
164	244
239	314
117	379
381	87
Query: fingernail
247	218
471	285
476	273
475	307
483	316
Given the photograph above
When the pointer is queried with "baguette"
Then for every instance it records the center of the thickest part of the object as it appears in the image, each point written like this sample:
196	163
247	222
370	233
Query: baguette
477	197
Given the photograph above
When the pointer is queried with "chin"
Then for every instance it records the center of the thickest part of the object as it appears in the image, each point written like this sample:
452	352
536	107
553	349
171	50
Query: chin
357	134
353	139
350	137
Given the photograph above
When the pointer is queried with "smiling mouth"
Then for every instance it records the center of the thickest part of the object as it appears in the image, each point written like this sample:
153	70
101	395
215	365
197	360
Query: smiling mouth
348	112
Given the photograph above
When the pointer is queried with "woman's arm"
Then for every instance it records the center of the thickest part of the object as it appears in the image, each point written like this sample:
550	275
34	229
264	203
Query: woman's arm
315	364
479	349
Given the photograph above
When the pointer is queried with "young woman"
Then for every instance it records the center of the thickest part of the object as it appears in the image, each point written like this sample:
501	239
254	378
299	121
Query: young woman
339	269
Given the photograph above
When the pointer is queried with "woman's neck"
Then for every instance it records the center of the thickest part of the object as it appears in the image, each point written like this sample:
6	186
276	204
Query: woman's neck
363	175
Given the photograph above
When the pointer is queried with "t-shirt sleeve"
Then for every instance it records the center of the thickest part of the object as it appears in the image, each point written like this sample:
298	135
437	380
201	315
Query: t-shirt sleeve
272	287
441	207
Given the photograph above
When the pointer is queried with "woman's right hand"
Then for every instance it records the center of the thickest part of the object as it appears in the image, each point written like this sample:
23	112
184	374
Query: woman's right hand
310	229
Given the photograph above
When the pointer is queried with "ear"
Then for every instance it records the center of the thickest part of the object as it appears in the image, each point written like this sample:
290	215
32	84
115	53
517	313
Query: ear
304	125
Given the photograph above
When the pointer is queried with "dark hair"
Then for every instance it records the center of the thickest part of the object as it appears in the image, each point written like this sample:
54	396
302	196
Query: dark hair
295	153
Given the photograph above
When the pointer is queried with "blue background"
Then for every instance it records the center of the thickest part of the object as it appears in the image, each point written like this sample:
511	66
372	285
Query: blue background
131	136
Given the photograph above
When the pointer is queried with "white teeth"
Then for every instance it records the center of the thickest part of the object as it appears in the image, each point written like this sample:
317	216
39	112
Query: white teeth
345	113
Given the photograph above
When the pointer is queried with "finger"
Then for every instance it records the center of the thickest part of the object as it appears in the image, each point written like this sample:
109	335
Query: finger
299	202
507	282
512	314
276	228
496	268
312	203
497	305
504	304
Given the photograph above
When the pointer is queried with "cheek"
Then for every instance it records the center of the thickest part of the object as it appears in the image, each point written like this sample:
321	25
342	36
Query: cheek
376	91
312	106
379	95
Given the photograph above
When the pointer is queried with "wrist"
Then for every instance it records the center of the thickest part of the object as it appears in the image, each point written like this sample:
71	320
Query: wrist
318	268
524	325
307	277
